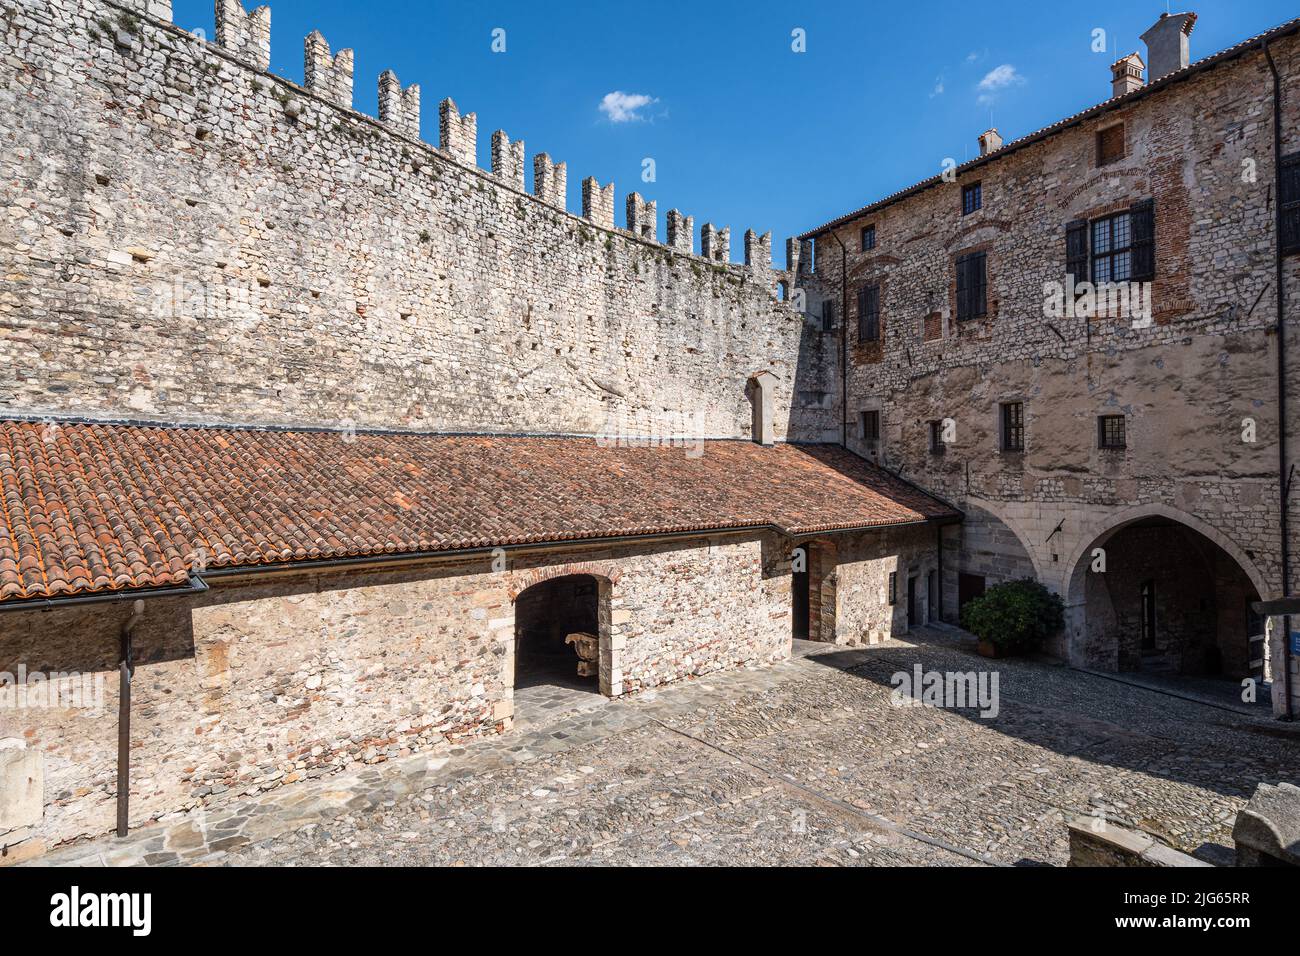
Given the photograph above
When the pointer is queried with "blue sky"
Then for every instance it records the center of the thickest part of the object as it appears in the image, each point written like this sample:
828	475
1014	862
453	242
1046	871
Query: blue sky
744	131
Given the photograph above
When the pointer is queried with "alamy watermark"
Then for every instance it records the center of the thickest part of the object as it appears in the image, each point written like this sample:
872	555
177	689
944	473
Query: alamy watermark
32	690
675	430
922	688
1086	300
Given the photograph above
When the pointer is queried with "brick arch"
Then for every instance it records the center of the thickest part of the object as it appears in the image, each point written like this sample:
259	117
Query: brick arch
1098	536
521	581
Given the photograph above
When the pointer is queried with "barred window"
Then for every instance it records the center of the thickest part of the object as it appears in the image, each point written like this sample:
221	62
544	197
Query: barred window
868	238
972	198
1110	431
972	286
828	315
893	587
1013	426
936	437
870	425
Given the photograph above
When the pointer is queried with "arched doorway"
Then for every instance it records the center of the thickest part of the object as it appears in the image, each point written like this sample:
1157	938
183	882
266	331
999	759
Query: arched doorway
551	619
1160	596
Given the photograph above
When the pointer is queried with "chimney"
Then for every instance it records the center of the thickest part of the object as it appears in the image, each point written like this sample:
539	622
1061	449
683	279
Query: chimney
1167	48
990	141
1126	74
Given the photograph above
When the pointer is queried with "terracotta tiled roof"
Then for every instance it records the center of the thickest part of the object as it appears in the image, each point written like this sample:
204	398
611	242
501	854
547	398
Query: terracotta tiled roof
1113	103
89	508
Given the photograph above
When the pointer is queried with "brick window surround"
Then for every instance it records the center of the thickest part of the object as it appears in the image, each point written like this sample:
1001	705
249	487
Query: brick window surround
868	238
1110	145
972	198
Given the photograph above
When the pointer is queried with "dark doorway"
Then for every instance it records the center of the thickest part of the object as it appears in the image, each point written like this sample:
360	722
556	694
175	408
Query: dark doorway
969	587
1148	615
912	609
800	603
545	615
932	594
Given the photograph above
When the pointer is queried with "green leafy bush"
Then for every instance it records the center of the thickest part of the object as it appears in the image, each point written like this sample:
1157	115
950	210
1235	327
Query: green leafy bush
1015	616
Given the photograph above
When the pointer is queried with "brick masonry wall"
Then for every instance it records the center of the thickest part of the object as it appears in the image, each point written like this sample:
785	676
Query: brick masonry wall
187	238
264	682
1185	384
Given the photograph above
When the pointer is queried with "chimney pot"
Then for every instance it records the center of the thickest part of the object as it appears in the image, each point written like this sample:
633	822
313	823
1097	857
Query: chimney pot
990	141
1126	74
1167	45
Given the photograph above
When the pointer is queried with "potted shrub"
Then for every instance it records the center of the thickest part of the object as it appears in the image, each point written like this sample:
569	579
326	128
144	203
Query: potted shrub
1013	618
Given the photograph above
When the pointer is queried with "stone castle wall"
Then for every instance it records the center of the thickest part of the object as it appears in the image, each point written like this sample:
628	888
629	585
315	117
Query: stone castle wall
186	237
1203	150
262	683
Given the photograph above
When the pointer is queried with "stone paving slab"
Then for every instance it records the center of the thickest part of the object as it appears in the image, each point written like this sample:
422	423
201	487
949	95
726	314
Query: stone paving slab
803	763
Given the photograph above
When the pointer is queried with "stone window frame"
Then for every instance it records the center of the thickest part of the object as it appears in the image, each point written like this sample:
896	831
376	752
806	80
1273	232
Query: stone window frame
972	197
868	237
936	442
960	260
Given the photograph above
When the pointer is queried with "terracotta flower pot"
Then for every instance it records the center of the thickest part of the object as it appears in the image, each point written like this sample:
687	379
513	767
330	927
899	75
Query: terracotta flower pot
989	649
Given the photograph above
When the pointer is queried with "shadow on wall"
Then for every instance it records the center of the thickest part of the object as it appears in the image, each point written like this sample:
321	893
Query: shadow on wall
814	402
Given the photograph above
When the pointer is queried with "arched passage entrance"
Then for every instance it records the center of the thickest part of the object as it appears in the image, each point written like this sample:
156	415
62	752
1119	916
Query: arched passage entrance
562	633
1174	597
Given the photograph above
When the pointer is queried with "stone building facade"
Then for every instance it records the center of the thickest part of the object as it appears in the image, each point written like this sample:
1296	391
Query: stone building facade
953	339
322	433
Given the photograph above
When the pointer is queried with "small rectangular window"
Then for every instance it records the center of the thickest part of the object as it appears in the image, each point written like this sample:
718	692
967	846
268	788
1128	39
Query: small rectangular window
972	198
868	238
828	315
937	445
870	426
1110	431
869	313
972	286
893	587
1110	145
1290	199
1013	426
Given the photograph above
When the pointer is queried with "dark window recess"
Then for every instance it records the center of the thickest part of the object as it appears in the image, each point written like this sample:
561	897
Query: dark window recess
869	313
972	286
972	198
1110	145
828	315
1110	431
1076	250
1143	219
871	426
1013	426
893	587
868	238
1290	198
936	438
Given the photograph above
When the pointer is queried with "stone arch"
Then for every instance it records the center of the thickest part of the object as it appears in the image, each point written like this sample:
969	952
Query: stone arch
605	576
1180	612
1097	536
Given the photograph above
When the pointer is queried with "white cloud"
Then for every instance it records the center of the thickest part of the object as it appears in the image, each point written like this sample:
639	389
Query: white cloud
998	79
623	107
938	88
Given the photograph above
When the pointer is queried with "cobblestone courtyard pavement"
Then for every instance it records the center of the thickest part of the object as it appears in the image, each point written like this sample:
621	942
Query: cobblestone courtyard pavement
806	762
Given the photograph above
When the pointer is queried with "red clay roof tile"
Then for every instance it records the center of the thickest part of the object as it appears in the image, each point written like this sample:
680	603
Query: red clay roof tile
88	508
